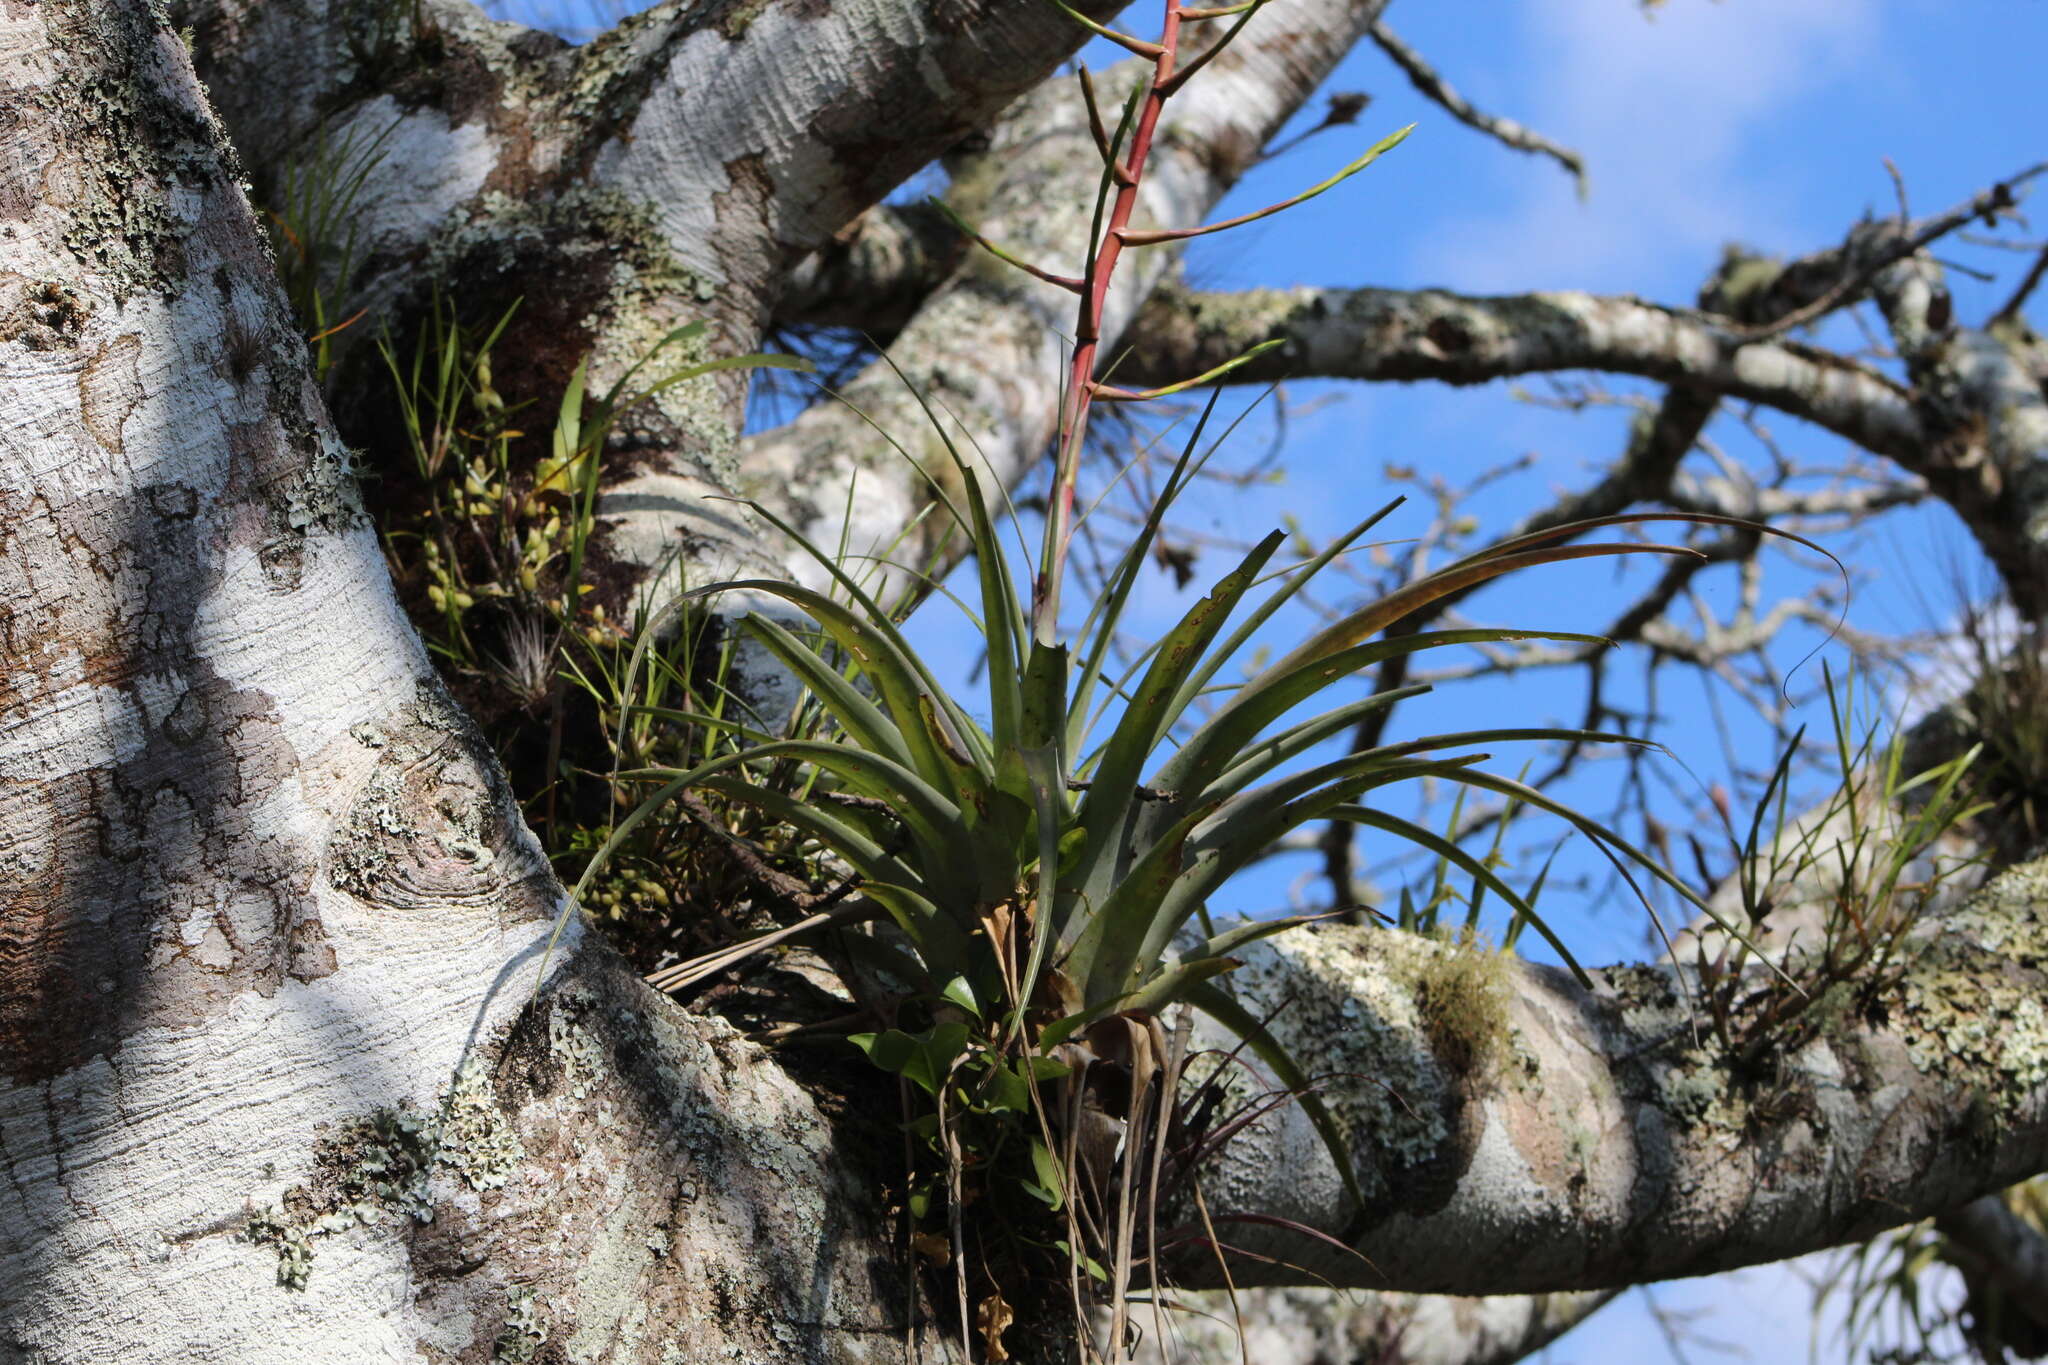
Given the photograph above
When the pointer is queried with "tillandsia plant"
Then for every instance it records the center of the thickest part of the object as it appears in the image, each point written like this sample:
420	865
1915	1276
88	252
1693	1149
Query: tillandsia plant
1028	903
1871	859
494	541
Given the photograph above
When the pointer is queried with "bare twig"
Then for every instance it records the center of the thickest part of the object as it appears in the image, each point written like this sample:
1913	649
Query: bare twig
1986	204
1505	130
2011	307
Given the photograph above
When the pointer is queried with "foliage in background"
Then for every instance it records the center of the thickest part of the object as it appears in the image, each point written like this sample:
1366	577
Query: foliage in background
1886	1293
314	226
2006	708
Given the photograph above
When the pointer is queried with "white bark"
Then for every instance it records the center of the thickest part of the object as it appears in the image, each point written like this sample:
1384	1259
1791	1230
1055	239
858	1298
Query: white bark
270	912
272	1085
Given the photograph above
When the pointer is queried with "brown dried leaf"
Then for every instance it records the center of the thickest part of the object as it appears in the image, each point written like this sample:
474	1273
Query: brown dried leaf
933	1246
991	1317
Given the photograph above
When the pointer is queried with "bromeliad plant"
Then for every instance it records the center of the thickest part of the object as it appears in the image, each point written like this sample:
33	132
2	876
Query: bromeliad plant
1868	862
1044	876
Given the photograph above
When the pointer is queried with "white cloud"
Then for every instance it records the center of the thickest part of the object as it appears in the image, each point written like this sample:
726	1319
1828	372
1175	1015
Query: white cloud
1667	111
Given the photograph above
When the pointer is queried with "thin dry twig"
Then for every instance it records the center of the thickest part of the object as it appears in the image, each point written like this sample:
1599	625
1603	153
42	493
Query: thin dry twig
1504	130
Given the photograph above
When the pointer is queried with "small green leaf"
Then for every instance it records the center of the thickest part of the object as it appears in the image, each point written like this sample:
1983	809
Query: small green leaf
1071	844
1008	1092
960	993
931	1055
1038	1191
1087	1263
1051	1179
892	1050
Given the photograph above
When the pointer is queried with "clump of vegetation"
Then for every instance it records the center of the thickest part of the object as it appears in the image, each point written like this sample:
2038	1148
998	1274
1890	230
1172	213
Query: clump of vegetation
314	223
2005	710
1025	916
1462	993
497	550
1864	864
1885	1292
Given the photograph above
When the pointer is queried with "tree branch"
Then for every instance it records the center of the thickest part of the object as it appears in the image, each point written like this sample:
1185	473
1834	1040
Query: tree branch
1319	1326
1385	334
1984	415
1439	91
2011	1253
1594	1142
875	274
986	349
841	104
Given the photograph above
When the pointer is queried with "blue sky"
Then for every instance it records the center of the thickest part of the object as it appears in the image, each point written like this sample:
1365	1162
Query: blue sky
1760	121
1764	122
1702	124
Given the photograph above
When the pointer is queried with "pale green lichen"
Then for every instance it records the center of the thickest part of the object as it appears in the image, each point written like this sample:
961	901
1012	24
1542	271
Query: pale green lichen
148	148
1970	1017
1973	1003
294	1249
474	1139
579	1053
376	1167
524	1331
385	1165
1696	1090
323	495
1742	284
1351	1012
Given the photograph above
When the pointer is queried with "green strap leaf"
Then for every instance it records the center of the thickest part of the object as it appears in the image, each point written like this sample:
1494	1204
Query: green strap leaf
1423	837
856	715
1211	1000
1150	714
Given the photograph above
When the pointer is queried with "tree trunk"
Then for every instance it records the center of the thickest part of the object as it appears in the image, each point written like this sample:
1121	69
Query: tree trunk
277	1082
289	1067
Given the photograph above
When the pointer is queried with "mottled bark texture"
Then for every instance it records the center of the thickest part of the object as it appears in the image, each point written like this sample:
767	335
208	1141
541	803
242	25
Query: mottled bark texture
671	171
274	1082
1513	1131
270	1084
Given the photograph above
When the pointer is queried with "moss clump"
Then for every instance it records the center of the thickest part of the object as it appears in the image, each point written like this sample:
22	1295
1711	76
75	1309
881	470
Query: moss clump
1461	997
